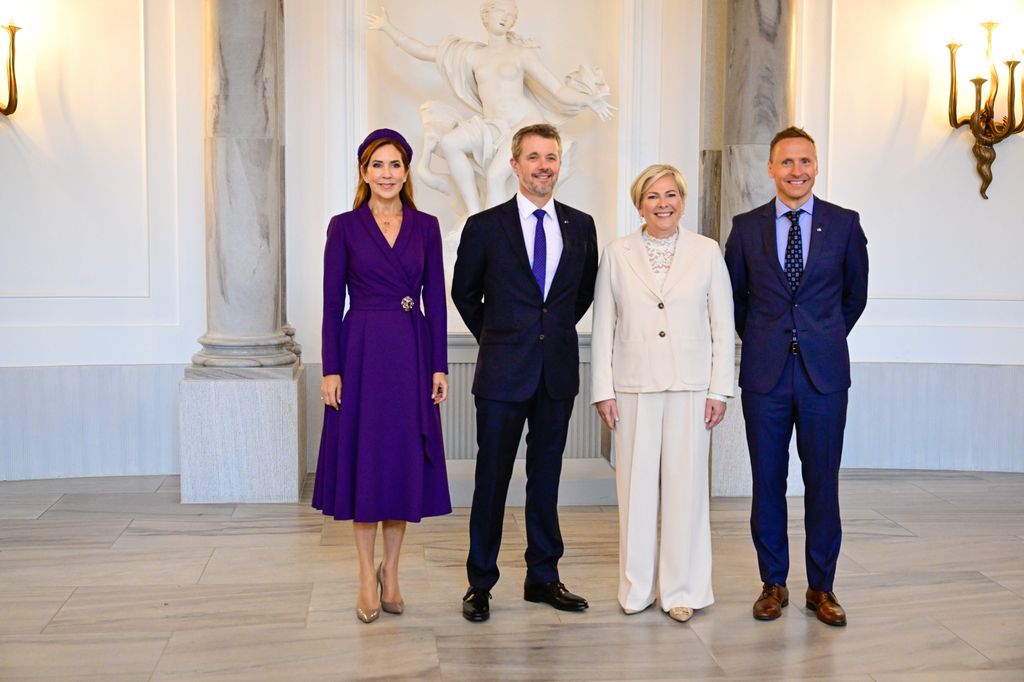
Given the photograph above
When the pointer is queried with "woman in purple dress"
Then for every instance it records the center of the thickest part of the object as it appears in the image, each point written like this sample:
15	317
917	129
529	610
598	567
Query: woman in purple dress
385	368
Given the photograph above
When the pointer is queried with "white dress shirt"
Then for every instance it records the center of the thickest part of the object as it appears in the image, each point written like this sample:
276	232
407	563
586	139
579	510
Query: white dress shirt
552	235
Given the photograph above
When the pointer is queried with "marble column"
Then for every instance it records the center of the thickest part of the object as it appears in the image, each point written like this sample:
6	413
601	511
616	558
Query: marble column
244	187
750	88
241	403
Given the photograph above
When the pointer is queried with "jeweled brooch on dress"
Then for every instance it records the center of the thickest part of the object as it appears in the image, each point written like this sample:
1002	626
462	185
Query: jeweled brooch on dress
407	303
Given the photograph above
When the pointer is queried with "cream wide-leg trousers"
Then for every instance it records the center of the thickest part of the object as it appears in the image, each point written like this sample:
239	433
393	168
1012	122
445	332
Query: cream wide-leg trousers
661	465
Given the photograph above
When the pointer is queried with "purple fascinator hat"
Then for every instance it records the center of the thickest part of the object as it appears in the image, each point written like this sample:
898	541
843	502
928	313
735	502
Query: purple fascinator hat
382	134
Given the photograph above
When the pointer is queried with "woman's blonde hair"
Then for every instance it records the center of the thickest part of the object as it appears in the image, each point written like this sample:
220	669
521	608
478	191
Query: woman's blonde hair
363	189
652	174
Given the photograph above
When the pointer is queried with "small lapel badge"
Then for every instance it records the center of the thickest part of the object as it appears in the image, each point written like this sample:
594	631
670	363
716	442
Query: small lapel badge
819	229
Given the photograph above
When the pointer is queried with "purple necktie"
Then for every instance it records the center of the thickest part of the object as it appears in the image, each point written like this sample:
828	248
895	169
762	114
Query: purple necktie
540	252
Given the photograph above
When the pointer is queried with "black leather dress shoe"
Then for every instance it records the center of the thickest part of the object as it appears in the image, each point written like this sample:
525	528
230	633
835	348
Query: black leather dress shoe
475	606
554	594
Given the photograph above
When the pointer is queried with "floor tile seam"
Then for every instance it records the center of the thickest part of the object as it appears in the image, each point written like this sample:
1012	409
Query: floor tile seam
933	494
199	580
998	582
59	609
948	629
156	664
55	503
709	652
897	523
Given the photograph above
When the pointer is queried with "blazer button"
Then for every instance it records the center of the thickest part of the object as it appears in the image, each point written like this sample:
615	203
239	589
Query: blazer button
543	310
541	337
661	334
660	305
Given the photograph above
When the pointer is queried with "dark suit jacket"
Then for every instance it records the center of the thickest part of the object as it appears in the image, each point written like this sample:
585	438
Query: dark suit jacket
523	339
832	294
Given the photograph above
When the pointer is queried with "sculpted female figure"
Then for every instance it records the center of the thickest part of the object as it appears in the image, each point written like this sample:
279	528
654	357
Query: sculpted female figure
507	86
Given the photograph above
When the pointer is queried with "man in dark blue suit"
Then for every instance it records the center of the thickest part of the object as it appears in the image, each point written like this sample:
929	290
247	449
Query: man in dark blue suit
523	278
799	270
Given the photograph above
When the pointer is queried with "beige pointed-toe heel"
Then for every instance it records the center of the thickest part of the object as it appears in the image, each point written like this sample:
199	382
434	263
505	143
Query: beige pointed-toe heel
395	607
367	616
680	614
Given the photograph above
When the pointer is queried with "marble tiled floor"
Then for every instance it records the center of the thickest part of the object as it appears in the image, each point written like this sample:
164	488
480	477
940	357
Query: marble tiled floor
112	579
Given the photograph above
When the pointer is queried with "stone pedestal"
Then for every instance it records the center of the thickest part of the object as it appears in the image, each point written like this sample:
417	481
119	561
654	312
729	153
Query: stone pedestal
242	434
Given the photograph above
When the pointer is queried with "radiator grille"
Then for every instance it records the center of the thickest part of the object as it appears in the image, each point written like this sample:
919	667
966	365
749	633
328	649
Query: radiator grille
458	418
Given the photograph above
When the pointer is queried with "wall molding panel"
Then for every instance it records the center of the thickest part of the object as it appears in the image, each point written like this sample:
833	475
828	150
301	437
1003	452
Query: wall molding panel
157	318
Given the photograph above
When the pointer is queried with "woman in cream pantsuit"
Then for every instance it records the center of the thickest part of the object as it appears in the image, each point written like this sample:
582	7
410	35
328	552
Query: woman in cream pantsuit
663	364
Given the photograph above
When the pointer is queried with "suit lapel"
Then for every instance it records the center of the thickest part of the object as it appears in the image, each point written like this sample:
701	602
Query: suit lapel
513	229
569	245
377	237
819	235
636	257
679	260
770	246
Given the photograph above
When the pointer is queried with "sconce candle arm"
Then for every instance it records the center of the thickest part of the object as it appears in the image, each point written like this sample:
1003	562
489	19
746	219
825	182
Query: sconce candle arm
1011	104
1020	126
12	82
953	120
993	88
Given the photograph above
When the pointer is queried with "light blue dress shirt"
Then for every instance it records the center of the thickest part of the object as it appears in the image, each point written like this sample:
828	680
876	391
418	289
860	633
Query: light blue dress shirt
782	226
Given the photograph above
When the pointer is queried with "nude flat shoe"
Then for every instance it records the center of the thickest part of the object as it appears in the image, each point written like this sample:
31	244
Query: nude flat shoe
680	614
395	607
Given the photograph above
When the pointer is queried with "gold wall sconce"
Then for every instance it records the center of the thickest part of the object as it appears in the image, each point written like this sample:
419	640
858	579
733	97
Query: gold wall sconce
986	129
12	81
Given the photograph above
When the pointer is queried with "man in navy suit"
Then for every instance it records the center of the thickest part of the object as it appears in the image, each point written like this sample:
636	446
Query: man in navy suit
524	276
799	270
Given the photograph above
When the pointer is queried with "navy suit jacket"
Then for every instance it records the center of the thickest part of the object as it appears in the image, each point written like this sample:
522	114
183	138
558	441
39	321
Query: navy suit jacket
523	339
831	297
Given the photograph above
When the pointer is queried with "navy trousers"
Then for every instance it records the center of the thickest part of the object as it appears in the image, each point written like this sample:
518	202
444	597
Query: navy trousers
820	419
499	427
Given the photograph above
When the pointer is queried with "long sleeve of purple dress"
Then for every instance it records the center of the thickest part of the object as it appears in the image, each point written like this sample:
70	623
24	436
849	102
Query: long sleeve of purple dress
335	276
435	300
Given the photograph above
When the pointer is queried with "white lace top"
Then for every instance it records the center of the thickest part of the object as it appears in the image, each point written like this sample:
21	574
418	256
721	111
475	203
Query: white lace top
660	253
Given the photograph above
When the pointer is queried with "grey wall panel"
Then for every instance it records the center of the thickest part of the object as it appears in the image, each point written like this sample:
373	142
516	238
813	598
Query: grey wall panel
122	420
104	420
930	416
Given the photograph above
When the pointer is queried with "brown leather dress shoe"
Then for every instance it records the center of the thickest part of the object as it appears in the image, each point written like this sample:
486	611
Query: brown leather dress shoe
769	605
826	607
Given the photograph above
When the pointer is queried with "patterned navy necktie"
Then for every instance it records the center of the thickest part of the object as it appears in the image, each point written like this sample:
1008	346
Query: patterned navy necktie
794	261
540	251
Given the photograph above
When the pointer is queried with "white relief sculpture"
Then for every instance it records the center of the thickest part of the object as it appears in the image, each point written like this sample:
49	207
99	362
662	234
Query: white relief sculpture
506	86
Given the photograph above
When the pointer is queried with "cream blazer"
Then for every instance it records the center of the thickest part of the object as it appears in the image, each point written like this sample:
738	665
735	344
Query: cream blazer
677	337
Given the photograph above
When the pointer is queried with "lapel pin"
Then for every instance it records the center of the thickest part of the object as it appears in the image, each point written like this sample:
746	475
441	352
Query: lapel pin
819	229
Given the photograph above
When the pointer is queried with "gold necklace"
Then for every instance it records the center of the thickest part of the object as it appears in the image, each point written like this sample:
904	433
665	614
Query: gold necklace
384	220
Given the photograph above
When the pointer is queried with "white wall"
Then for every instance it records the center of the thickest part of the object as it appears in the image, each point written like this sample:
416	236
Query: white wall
101	244
946	281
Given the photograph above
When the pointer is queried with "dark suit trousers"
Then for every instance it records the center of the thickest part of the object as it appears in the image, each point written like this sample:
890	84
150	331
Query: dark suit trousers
820	419
499	426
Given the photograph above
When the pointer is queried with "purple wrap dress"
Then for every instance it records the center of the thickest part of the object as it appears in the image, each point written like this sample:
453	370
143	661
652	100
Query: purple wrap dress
381	453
